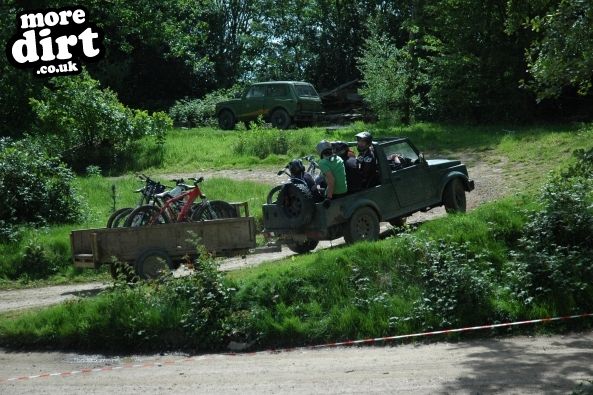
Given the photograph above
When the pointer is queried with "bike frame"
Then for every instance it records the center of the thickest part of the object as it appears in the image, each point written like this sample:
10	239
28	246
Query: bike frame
192	194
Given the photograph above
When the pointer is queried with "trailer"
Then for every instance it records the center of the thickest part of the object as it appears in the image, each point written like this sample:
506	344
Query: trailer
154	248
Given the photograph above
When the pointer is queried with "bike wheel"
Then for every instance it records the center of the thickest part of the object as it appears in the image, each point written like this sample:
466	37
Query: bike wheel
215	209
115	214
121	219
145	215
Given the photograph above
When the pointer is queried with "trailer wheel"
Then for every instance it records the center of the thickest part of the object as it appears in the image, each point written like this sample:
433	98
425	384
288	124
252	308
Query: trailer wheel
363	225
302	247
153	263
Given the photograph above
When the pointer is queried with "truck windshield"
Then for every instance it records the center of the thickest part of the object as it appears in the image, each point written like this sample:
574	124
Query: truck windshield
305	91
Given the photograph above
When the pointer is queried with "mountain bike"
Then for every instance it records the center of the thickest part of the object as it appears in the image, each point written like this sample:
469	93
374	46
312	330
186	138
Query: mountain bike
181	208
148	195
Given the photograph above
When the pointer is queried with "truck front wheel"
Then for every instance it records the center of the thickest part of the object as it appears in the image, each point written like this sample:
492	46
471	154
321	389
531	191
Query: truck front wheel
226	120
454	196
363	225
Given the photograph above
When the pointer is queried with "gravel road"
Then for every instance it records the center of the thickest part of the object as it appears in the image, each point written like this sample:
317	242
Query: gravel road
518	365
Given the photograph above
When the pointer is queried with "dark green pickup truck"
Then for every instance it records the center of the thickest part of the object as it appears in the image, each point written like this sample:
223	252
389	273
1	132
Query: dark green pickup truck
281	103
414	184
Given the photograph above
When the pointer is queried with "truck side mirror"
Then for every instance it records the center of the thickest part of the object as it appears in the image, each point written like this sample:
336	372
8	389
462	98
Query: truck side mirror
422	160
237	95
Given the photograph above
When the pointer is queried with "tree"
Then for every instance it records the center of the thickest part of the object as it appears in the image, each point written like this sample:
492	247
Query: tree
563	54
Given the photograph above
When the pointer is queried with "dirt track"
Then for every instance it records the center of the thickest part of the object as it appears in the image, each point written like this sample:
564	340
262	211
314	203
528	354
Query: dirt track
519	365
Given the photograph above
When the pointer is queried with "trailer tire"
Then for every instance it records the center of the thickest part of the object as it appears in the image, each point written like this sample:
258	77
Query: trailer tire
153	263
297	204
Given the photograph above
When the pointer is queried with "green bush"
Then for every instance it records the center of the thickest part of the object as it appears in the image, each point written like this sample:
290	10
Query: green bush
87	125
554	261
457	287
200	112
36	188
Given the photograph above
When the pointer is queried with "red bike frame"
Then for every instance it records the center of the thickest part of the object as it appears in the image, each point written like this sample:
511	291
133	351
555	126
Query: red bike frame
192	193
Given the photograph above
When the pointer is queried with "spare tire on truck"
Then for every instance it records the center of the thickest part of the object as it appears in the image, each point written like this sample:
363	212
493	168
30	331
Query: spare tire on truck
297	204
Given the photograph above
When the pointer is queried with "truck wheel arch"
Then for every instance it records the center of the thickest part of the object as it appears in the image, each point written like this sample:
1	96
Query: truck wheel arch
452	175
362	203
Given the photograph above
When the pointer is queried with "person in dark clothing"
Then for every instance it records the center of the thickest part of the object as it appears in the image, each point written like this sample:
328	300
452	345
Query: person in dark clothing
367	162
353	178
297	170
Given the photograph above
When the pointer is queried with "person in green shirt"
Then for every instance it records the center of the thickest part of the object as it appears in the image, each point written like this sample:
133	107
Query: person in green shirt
332	168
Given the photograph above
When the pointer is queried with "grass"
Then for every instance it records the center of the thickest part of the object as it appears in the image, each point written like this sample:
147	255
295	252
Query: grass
526	155
360	291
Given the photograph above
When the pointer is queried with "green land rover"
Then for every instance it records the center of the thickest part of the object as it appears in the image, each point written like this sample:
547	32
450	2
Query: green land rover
281	103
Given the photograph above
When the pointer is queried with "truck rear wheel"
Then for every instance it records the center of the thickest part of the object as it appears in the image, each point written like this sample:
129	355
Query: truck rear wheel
302	247
153	263
454	196
280	119
363	225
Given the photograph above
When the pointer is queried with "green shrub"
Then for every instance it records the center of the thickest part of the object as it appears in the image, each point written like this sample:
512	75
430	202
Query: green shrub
554	261
261	141
200	112
36	188
456	287
86	125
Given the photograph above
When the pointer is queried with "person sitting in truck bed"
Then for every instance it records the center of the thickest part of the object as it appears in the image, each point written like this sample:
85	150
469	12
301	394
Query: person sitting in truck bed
333	170
367	162
353	179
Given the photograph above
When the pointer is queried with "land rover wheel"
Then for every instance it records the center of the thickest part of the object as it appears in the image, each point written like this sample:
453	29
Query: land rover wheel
363	225
280	119
454	196
302	247
226	120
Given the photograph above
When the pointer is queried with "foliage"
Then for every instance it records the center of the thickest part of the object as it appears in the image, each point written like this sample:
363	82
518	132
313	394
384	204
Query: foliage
383	66
563	55
457	285
200	112
555	259
36	187
87	125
